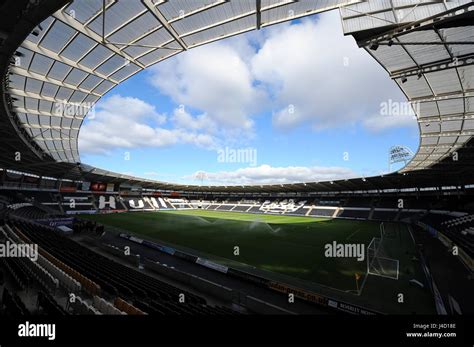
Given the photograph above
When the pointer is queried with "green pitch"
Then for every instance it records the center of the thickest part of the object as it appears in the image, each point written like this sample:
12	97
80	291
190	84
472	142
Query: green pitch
290	245
289	249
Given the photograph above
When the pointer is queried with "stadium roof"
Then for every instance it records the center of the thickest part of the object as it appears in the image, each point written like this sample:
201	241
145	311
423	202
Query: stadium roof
86	48
66	55
429	53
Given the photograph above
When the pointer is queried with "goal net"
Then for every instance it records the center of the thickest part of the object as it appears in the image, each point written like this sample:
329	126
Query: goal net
389	233
379	262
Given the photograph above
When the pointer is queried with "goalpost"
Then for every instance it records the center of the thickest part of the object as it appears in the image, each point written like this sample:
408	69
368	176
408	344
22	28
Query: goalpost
378	261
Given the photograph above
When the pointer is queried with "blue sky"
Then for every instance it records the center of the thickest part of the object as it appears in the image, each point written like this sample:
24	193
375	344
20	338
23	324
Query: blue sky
300	98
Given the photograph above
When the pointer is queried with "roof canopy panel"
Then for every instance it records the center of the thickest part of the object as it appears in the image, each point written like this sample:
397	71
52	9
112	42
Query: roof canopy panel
86	48
431	57
83	50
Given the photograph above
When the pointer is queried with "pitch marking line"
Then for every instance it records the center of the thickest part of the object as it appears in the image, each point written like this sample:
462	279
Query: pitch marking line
355	232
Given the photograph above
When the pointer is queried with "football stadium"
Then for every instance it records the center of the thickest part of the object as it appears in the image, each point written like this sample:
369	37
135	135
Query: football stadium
83	234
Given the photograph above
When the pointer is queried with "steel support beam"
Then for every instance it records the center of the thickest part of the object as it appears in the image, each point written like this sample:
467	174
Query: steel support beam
76	25
159	16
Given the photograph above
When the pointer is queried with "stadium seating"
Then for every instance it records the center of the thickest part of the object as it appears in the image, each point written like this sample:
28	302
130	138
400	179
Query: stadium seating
255	209
12	304
199	203
327	202
358	202
384	215
178	203
140	204
436	219
72	203
391	203
126	307
43	197
114	279
407	215
241	208
459	229
27	271
66	281
283	206
225	207
19	275
300	210
356	214
49	305
105	286
105	307
28	211
328	212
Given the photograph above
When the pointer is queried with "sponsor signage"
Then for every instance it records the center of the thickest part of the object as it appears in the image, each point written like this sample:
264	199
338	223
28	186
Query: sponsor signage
168	250
131	238
308	296
212	265
67	189
161	248
111	211
98	187
354	309
81	212
135	239
56	222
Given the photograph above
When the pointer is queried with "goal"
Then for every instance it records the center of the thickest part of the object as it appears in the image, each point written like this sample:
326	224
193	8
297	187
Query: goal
390	233
379	262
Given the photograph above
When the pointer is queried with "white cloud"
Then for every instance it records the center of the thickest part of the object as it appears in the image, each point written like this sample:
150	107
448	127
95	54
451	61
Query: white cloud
184	120
308	72
126	122
266	174
296	71
215	79
318	76
378	123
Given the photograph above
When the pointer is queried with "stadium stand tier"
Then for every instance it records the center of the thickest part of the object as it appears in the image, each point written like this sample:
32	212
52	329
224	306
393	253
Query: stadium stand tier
384	215
225	207
328	212
351	213
113	278
241	208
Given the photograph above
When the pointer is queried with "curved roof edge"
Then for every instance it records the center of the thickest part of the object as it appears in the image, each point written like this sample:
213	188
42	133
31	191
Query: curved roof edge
367	22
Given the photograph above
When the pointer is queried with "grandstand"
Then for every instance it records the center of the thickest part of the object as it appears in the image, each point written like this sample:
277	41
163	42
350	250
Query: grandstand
182	238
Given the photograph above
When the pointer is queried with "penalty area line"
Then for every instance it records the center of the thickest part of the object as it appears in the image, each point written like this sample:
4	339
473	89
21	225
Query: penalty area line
355	232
